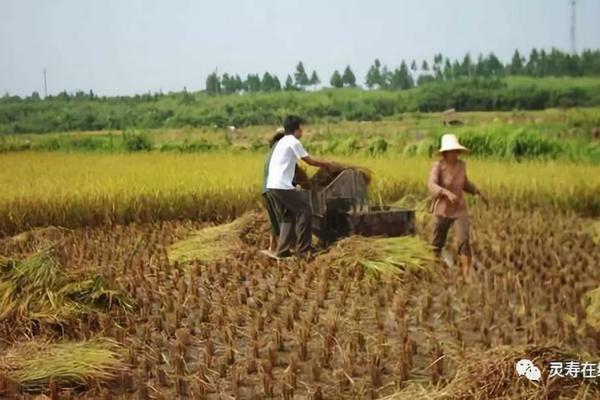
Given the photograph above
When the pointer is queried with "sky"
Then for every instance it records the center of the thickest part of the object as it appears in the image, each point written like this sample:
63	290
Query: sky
123	47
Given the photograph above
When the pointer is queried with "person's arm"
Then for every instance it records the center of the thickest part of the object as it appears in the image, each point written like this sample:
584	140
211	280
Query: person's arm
472	189
313	162
300	153
434	185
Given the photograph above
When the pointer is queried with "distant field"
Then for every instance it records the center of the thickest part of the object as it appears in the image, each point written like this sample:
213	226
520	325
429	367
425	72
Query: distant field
572	134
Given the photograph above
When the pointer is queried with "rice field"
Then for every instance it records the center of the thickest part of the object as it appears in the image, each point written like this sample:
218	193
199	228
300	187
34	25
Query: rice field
74	189
144	298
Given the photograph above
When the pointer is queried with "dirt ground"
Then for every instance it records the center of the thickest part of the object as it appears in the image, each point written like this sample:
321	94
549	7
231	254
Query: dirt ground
247	327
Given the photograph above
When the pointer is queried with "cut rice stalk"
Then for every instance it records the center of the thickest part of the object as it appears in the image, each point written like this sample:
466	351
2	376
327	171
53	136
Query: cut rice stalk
324	177
213	243
491	375
39	288
32	365
388	256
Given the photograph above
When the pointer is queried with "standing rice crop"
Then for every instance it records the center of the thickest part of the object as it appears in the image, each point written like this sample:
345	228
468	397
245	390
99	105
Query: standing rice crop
74	190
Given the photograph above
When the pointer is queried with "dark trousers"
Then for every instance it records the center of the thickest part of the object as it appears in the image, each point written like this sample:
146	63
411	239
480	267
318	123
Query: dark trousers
441	226
274	213
295	213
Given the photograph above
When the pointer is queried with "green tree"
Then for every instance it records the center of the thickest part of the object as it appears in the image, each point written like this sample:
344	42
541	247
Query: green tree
289	83
516	64
589	63
401	78
336	80
467	66
314	79
543	63
406	75
252	83
438	59
276	84
424	79
239	84
447	69
348	79
413	66
213	84
374	77
494	65
425	66
558	63
266	84
481	67
386	78
395	80
229	83
456	69
300	76
533	62
573	65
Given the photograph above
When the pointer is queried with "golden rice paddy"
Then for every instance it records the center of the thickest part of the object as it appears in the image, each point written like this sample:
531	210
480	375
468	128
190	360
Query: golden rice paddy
362	320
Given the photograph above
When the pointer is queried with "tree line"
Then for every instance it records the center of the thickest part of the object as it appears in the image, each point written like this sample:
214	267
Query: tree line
539	63
87	112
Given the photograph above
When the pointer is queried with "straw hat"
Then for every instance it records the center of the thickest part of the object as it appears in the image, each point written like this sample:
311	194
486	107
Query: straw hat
280	130
450	142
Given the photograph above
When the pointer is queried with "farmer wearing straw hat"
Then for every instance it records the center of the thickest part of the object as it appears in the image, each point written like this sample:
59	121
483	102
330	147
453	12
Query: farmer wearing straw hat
447	181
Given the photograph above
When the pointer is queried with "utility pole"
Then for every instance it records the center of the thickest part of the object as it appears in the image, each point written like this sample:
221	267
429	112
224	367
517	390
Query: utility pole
45	85
573	25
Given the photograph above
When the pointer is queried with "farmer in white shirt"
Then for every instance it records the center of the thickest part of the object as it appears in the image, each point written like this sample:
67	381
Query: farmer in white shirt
295	210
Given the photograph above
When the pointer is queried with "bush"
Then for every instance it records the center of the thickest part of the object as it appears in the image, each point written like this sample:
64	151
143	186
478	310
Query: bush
190	146
377	146
517	144
348	146
137	142
427	147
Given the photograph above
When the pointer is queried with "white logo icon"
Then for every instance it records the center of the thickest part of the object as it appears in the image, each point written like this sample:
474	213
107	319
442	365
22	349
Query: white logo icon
526	367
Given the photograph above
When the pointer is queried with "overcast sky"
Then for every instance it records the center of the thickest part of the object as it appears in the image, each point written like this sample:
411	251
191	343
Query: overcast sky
136	46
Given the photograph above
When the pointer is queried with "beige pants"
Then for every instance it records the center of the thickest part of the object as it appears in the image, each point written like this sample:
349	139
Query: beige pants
442	225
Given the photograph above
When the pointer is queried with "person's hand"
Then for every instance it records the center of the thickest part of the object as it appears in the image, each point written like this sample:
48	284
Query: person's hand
329	166
484	199
451	196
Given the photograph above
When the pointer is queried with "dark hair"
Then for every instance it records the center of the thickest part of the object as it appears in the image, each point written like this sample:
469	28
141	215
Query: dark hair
275	139
292	123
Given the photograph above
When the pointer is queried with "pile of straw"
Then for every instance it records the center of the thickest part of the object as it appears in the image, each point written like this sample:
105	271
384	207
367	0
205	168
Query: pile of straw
215	243
39	288
491	375
387	256
33	365
324	177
